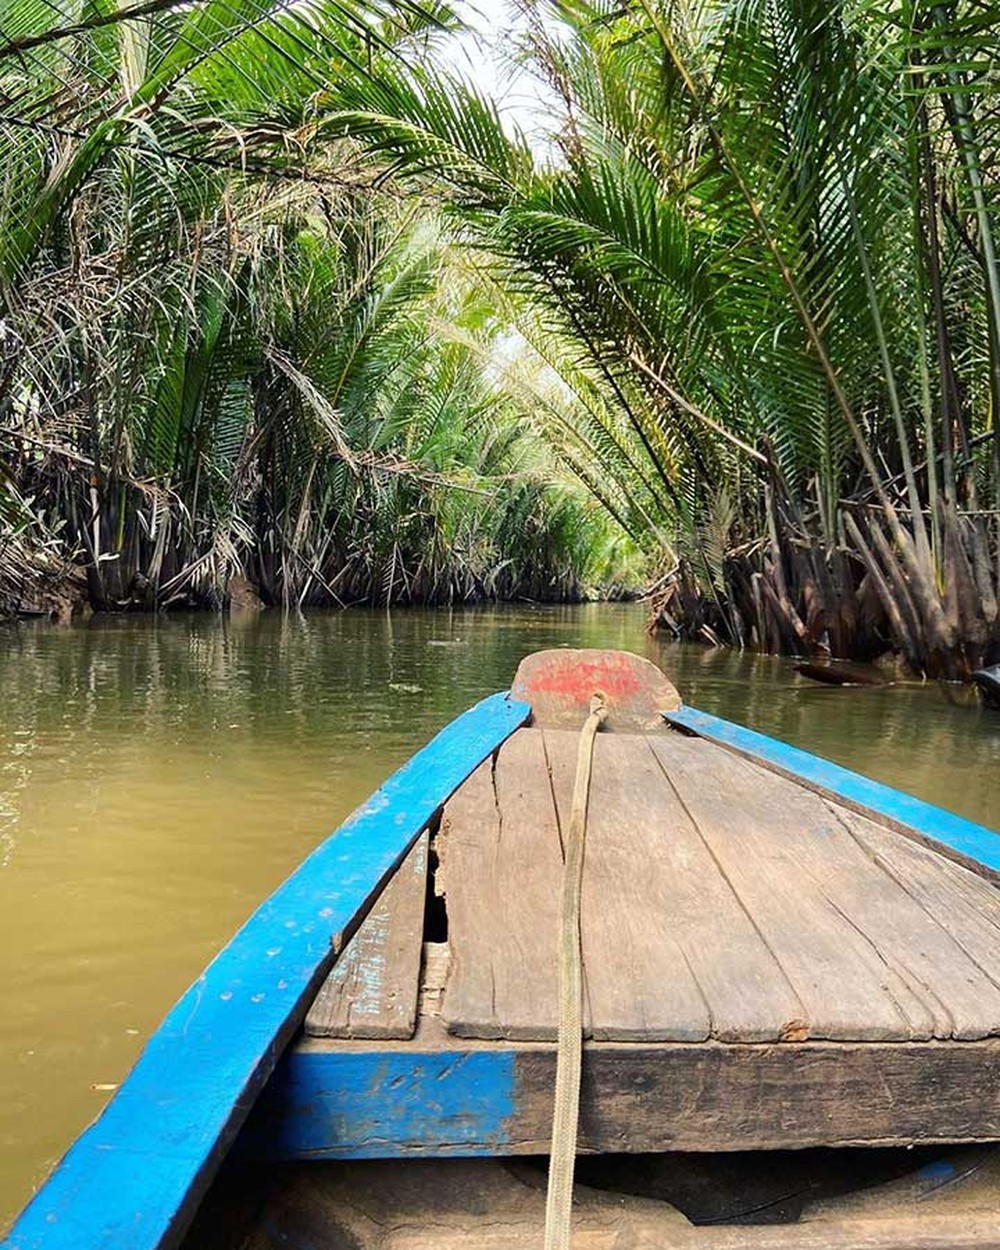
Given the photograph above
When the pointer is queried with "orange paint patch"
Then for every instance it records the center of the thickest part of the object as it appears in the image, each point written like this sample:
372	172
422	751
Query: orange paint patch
582	679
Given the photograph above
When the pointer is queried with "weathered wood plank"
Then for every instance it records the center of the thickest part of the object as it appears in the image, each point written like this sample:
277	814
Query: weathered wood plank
970	844
371	991
928	953
501	872
957	899
768	853
434	975
639	984
669	951
134	1178
926	957
438	1096
559	683
719	899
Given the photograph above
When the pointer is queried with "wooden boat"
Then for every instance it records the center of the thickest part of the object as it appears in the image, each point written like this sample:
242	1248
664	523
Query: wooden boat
792	1010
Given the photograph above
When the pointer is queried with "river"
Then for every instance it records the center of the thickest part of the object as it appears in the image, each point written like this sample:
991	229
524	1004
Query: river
159	777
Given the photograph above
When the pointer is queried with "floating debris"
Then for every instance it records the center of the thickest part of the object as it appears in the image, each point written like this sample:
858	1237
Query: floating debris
988	682
841	673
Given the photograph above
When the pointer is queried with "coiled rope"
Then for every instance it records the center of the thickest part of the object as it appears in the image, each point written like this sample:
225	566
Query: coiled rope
562	1159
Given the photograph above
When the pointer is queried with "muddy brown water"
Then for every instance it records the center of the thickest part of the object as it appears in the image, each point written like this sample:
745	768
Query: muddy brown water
158	778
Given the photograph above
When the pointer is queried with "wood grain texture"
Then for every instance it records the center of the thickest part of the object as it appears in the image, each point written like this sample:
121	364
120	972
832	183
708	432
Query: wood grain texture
914	960
720	899
929	954
134	1178
439	1096
501	873
559	683
639	983
973	845
669	951
768	853
955	898
371	991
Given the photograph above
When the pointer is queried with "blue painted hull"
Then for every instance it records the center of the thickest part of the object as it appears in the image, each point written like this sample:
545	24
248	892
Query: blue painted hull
134	1179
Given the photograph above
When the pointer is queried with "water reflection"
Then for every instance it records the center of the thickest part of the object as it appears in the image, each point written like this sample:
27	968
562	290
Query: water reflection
159	777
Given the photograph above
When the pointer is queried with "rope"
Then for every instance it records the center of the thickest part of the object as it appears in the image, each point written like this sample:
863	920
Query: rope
569	1058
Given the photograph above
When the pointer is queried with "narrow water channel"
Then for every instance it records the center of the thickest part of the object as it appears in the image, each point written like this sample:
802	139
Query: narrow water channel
159	777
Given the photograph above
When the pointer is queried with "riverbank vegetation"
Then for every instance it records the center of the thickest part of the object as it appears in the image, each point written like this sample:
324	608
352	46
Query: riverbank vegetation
227	354
770	234
261	314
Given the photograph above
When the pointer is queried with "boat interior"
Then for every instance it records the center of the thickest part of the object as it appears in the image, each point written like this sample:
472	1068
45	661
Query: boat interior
791	1013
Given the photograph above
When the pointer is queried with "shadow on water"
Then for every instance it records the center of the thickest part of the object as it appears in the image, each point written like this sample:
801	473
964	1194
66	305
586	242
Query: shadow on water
159	777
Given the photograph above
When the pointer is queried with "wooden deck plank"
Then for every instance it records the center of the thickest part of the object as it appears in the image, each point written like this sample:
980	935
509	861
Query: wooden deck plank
927	953
916	951
975	846
670	952
959	900
845	986
639	983
438	1095
371	991
501	872
719	899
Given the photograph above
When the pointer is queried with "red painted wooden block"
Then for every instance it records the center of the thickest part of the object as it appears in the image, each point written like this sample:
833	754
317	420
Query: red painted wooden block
559	684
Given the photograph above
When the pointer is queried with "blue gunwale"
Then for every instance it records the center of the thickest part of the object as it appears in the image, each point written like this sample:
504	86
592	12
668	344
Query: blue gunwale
972	845
134	1178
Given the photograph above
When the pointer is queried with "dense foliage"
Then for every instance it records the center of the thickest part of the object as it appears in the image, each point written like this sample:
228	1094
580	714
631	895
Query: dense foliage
261	263
770	234
227	351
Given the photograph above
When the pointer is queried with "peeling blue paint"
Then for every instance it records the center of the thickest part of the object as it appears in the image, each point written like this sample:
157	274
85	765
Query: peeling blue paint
950	832
131	1181
381	1104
